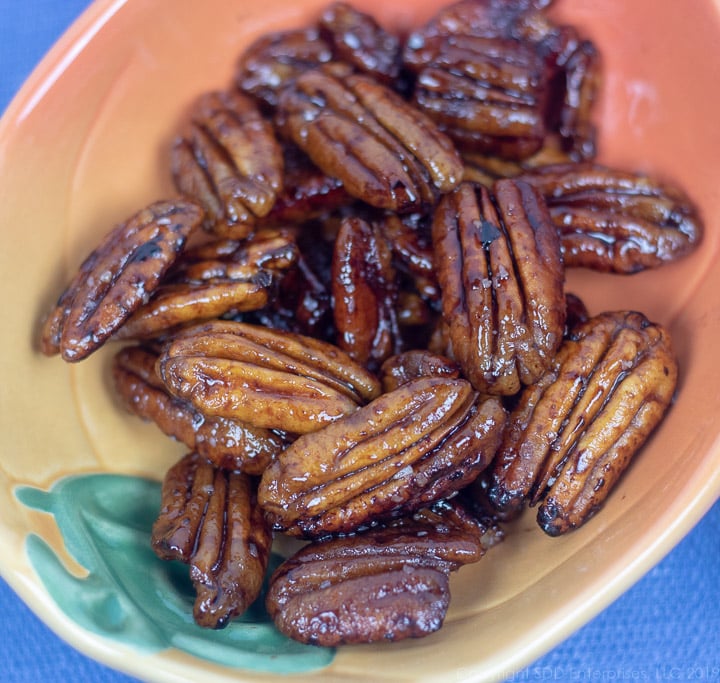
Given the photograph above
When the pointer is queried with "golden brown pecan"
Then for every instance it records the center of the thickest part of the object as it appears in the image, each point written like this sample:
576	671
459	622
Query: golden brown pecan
209	289
117	278
210	520
357	39
364	294
263	377
385	152
498	76
410	365
406	449
230	162
613	220
574	432
501	276
229	444
276	59
383	584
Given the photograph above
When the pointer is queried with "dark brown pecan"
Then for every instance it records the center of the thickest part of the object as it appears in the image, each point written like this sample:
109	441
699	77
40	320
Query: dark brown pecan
406	449
501	276
613	220
410	365
385	152
117	278
499	76
574	432
276	59
266	378
210	520
383	584
357	39
364	294
229	444
209	289
230	162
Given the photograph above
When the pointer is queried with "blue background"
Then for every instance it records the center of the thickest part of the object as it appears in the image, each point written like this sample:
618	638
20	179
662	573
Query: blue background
667	627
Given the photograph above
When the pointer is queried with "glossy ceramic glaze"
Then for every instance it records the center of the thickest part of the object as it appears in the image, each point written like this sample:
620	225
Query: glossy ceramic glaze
86	143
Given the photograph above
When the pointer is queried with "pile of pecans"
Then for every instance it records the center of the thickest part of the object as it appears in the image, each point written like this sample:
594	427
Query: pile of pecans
354	317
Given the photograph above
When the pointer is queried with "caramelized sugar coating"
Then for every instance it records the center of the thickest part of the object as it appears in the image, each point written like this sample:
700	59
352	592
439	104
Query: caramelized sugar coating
574	432
500	271
118	277
404	450
209	519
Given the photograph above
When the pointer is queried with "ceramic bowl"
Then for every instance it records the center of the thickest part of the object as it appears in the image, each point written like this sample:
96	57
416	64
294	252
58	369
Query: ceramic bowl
85	144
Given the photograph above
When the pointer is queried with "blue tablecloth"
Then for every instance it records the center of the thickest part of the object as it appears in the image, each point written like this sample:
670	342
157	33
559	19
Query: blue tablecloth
667	627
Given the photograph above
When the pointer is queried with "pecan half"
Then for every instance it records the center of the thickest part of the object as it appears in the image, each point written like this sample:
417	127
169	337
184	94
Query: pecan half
574	432
209	519
357	39
117	278
501	277
276	59
383	584
404	450
266	378
228	444
230	162
364	294
384	151
209	290
613	220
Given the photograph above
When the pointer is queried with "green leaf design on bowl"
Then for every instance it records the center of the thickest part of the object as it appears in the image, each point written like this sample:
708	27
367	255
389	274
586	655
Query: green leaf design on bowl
129	594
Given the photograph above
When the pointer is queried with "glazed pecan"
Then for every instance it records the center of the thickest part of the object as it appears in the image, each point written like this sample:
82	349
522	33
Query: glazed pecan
230	162
383	584
210	520
274	60
117	278
357	39
410	365
501	276
208	290
612	220
574	432
497	77
263	377
228	444
384	151
406	449
364	293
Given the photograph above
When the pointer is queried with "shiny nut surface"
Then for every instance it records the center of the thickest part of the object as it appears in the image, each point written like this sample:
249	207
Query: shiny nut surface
573	433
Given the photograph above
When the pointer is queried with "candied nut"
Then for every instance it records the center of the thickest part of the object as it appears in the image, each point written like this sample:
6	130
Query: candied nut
612	220
208	290
357	39
117	278
410	365
210	520
364	293
276	59
574	432
404	450
387	583
263	377
384	151
501	276
230	162
497	77
229	444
